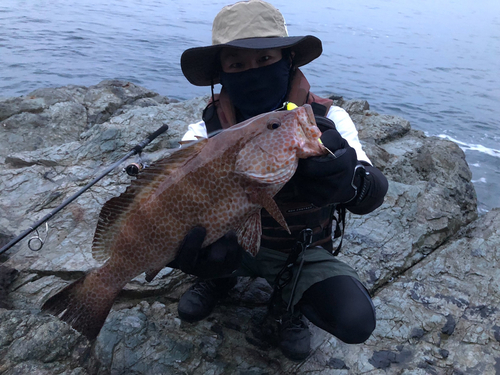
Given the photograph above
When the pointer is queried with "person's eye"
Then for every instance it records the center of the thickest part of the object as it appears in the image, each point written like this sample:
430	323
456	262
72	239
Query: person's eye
265	58
236	66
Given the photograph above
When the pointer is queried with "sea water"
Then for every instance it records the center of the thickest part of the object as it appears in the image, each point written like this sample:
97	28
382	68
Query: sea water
436	64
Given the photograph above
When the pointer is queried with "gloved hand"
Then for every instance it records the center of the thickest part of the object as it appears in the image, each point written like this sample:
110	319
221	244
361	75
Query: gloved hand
322	180
219	259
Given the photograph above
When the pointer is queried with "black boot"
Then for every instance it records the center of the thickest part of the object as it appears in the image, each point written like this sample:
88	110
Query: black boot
295	338
199	300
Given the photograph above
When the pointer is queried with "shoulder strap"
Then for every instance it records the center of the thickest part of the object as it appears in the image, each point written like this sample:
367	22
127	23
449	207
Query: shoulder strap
318	109
339	232
211	118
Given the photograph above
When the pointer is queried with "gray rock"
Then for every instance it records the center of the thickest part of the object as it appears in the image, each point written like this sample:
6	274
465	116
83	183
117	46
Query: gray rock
451	297
426	257
35	343
7	276
44	118
104	99
54	116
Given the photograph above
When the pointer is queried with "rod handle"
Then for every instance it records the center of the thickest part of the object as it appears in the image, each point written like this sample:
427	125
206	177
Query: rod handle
138	149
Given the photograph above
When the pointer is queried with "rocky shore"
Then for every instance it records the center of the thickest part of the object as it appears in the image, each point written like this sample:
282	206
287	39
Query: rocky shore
429	261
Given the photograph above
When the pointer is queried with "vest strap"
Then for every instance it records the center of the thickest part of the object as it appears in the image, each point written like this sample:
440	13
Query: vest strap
211	118
318	109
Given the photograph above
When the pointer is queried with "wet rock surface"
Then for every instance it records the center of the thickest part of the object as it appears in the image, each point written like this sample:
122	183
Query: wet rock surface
429	261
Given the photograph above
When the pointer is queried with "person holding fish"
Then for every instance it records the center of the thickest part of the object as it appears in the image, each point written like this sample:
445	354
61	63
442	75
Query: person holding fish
256	199
257	64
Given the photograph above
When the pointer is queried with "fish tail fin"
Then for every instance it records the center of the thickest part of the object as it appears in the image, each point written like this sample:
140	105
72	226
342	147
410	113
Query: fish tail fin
84	311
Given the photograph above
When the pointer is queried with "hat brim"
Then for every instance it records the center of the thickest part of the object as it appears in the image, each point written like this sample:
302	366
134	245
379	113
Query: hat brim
200	66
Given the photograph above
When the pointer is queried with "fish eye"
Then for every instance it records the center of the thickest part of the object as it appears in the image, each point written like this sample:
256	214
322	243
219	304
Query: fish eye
273	125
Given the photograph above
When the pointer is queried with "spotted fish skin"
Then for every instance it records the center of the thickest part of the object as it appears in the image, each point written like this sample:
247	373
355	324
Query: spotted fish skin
221	183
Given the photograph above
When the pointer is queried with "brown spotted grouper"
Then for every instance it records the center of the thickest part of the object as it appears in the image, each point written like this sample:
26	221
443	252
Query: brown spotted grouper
221	183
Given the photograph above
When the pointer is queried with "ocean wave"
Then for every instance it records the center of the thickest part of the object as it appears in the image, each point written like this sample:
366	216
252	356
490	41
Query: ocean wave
471	147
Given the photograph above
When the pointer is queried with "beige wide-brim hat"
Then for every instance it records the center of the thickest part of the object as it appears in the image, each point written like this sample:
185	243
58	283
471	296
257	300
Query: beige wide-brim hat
252	24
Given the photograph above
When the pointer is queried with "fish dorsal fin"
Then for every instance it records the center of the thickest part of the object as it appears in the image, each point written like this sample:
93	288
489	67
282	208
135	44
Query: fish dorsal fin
106	225
260	197
249	234
115	210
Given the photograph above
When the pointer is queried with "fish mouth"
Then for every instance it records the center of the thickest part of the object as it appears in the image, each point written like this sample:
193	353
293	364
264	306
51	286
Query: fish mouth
310	145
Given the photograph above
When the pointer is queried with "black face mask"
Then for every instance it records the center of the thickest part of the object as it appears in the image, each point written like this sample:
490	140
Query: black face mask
258	90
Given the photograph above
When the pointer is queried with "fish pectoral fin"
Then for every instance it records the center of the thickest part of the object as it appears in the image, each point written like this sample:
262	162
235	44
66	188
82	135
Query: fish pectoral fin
249	234
265	200
151	274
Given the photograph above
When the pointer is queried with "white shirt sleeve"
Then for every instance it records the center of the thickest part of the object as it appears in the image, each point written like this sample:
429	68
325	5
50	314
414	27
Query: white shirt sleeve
347	130
195	131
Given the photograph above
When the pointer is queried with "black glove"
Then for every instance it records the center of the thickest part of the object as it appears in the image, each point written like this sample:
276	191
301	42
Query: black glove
219	259
322	180
372	188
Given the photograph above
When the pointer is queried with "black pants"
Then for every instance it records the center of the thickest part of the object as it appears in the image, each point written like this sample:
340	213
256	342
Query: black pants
341	306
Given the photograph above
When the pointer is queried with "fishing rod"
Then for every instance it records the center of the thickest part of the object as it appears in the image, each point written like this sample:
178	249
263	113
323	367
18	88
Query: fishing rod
134	151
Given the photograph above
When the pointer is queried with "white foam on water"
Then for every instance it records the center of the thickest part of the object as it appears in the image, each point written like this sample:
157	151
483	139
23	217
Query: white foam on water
481	180
471	147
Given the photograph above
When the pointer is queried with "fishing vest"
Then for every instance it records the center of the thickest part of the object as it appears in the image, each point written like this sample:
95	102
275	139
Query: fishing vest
220	114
